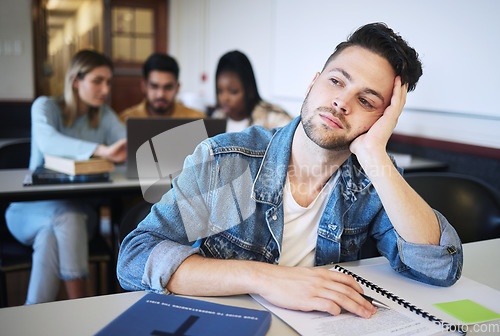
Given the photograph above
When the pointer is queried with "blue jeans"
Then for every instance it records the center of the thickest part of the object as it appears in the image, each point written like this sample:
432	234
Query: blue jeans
58	230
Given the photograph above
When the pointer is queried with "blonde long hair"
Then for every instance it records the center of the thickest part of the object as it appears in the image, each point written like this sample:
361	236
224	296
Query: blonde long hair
82	63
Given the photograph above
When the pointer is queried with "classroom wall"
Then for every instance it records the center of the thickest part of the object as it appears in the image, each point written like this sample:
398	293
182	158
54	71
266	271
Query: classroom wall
16	51
287	41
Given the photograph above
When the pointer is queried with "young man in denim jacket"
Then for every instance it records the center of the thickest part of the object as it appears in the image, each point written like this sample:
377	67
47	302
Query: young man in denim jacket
252	212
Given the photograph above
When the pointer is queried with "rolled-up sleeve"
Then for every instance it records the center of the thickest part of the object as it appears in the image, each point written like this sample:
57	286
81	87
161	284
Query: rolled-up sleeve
163	261
434	264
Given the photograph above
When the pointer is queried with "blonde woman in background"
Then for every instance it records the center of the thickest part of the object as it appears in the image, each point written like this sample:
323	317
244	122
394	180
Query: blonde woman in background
78	125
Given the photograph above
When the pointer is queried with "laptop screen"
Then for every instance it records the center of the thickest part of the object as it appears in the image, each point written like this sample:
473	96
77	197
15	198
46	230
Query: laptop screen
160	144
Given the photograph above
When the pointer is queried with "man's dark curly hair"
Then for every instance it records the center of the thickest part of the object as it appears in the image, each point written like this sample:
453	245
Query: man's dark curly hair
382	40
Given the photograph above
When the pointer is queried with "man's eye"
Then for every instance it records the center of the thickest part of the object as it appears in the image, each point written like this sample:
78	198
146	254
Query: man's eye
334	81
365	103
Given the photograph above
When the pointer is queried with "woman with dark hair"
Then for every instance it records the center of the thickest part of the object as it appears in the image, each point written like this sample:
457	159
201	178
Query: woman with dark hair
77	125
238	98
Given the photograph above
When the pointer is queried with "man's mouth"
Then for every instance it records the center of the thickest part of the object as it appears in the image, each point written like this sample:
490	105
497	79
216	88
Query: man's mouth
160	102
330	120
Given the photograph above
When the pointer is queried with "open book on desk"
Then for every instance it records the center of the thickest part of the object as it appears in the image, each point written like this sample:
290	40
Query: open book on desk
411	318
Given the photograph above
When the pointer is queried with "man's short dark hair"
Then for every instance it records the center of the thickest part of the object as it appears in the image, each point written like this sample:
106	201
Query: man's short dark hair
382	40
160	62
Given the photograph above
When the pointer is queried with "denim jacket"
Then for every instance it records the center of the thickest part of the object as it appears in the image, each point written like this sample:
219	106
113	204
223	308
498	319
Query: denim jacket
227	204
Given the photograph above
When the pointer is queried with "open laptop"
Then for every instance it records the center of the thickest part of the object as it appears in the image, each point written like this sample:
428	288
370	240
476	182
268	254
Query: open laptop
164	143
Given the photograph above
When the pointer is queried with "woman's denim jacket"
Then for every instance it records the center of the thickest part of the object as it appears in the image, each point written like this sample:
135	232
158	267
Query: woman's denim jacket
227	204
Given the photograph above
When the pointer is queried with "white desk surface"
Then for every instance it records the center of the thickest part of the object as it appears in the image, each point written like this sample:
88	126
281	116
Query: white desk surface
89	315
12	184
411	163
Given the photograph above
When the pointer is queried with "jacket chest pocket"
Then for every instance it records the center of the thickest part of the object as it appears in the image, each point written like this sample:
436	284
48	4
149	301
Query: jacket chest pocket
351	242
222	246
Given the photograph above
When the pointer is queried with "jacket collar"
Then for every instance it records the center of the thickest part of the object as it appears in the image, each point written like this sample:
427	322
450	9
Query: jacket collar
269	182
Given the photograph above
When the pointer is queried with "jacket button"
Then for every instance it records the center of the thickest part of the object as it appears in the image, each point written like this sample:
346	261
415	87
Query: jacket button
275	217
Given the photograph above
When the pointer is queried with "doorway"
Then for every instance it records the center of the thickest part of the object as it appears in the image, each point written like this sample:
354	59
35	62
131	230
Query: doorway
127	31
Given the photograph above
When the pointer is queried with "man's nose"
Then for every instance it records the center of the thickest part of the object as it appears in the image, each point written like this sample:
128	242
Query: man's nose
224	98
340	105
160	92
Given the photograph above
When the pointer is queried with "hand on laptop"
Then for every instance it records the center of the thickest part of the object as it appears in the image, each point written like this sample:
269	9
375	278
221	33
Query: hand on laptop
117	152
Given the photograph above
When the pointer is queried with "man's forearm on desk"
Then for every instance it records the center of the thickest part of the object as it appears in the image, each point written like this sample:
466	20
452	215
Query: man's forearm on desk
298	288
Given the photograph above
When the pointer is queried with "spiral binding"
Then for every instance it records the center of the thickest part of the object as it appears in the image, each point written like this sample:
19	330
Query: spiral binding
449	327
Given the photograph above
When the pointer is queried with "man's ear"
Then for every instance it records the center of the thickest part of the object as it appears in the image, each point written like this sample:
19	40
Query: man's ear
312	83
143	86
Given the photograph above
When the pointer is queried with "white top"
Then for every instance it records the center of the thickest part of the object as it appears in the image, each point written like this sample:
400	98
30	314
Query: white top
237	126
301	226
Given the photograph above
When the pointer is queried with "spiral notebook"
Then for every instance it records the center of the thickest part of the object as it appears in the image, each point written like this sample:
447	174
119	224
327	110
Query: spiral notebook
447	326
412	306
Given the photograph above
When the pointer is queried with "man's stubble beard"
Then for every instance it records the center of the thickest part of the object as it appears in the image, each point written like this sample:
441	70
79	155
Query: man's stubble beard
332	141
162	111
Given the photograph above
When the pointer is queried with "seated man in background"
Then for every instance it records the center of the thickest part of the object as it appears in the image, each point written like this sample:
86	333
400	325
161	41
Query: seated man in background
254	211
161	86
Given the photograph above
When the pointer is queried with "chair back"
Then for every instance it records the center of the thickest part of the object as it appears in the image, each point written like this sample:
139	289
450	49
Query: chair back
15	154
470	205
13	255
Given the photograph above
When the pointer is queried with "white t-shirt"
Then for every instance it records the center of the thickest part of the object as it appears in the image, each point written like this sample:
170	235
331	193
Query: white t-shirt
301	226
237	126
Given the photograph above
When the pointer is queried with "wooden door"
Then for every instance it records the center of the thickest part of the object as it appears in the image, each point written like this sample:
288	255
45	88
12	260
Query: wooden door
133	31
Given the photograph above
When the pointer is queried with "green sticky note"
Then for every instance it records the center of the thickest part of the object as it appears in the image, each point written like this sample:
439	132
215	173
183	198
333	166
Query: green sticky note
467	311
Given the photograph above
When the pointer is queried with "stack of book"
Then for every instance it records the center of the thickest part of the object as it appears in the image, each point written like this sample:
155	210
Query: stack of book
65	170
68	166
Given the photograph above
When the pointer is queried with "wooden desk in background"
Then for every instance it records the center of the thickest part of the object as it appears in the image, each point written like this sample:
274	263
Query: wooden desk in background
89	315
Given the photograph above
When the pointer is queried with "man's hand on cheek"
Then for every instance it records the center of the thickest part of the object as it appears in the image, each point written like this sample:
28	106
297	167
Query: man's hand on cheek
375	139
